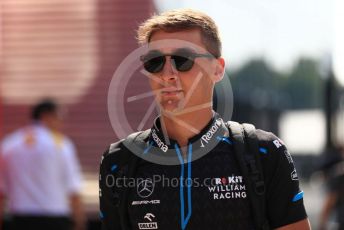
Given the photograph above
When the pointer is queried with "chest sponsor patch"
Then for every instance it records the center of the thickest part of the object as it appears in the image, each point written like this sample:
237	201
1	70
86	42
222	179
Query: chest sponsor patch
209	135
230	187
159	142
145	202
148	222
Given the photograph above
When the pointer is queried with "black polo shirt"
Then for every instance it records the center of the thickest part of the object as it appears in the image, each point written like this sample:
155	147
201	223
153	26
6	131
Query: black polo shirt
206	192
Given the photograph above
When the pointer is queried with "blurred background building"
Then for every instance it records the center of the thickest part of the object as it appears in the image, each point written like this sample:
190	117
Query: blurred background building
277	57
67	50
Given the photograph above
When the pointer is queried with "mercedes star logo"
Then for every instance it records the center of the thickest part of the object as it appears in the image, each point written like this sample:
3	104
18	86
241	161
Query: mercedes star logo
145	188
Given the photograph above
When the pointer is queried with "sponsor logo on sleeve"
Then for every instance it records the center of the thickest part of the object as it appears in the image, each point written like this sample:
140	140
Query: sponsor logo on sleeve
294	175
277	143
288	156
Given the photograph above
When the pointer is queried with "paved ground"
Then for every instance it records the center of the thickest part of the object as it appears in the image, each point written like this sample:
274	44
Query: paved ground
313	199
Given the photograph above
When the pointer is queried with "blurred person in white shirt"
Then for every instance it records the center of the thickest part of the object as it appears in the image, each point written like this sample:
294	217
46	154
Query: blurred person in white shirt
40	177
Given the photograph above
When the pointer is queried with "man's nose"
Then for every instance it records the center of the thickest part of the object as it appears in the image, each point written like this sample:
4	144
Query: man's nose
169	73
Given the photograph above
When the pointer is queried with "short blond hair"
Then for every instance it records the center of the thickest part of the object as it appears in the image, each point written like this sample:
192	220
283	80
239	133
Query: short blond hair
179	20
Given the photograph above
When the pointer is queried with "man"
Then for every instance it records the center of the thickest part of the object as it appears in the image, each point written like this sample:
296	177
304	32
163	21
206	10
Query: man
187	121
40	176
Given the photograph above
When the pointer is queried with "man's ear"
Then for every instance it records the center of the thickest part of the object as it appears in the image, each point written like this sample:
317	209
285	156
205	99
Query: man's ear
219	69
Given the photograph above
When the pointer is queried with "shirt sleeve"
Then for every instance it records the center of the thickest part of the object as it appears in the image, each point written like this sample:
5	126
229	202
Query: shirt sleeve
109	213
72	169
284	196
4	148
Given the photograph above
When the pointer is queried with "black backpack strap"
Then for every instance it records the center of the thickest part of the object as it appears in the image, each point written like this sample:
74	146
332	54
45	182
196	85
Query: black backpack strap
246	149
138	139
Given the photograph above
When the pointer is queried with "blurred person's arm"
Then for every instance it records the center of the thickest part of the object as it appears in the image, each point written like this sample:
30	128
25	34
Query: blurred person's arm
73	177
78	213
2	188
2	202
328	207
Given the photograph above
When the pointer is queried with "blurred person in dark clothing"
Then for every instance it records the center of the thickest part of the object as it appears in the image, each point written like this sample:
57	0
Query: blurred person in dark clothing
333	171
40	175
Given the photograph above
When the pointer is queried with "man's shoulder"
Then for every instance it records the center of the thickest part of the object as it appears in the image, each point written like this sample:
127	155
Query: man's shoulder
268	139
13	139
114	150
116	154
272	151
119	149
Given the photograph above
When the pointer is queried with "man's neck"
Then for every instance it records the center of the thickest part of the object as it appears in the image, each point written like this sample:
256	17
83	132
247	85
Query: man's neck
182	127
48	127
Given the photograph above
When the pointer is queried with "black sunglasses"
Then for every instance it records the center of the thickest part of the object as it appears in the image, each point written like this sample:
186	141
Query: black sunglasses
183	61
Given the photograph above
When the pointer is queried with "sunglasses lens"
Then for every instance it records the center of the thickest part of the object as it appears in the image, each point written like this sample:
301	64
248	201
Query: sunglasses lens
154	64
182	63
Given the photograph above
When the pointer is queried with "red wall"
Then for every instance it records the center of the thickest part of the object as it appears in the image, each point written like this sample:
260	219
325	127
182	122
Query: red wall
87	121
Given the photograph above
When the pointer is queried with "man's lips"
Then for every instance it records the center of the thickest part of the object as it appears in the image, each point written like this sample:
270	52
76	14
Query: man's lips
170	91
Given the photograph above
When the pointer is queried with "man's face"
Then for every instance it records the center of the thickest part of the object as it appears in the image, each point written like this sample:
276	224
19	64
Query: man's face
53	120
183	91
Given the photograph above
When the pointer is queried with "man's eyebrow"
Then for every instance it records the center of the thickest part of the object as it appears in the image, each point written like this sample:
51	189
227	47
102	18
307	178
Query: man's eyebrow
184	49
153	50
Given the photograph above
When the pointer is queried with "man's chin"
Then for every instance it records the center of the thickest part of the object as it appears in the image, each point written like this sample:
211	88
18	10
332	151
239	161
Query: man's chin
171	107
171	110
